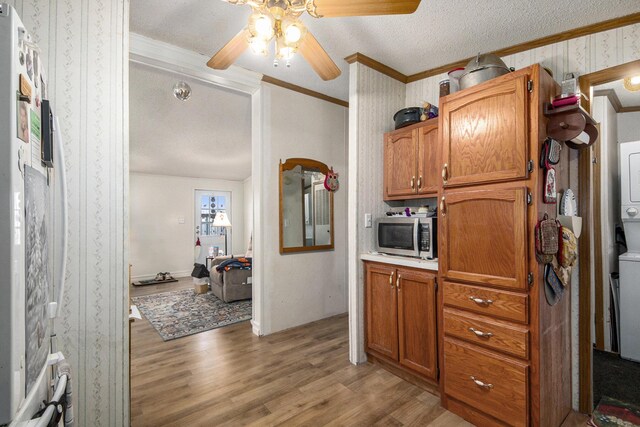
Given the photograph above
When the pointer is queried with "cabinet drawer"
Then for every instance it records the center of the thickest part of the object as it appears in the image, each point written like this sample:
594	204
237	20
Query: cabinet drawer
491	383
484	331
506	305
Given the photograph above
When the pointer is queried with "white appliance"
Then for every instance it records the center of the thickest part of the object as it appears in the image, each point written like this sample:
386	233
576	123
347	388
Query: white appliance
32	231
630	261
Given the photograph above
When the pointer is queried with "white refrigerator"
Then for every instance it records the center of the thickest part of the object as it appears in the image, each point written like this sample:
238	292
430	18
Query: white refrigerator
32	232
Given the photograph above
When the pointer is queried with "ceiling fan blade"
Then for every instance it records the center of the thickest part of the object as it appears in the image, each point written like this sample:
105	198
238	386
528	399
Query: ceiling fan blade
230	52
336	8
319	60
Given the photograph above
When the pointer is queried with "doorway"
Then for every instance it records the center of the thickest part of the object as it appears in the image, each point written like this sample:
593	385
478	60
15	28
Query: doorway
212	211
609	289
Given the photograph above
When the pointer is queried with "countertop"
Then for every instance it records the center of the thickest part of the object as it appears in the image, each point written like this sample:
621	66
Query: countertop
431	264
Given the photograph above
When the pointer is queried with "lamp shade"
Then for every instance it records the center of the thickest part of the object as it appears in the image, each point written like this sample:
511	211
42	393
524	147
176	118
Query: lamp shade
221	220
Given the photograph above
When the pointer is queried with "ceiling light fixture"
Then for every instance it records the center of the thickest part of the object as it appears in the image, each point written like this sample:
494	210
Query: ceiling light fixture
632	84
276	19
182	91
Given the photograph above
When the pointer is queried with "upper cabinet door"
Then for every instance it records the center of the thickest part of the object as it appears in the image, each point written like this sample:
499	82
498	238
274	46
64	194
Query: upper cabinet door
428	169
485	134
400	163
417	322
382	310
484	236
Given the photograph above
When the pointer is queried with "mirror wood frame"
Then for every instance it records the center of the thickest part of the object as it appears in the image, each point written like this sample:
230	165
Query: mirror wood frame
587	82
310	165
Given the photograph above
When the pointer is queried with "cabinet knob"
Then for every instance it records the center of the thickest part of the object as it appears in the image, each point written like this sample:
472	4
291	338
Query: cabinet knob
445	173
481	301
480	333
481	384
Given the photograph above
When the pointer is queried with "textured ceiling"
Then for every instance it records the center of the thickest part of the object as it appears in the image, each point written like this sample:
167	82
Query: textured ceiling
440	32
207	136
627	99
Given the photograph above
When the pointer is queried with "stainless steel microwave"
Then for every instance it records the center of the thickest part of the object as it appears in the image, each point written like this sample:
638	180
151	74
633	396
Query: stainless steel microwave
408	236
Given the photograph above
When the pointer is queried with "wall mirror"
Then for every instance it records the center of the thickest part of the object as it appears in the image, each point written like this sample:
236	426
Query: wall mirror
306	207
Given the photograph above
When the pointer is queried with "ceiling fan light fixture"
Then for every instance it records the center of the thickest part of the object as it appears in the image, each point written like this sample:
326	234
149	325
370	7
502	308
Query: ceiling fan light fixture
261	25
293	31
278	8
632	84
259	46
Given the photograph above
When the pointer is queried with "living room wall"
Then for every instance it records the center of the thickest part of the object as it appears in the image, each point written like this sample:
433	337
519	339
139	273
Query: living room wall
300	287
159	242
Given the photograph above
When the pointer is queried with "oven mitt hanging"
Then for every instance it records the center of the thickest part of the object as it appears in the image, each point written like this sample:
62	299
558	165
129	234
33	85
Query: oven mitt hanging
567	248
553	288
549	191
546	235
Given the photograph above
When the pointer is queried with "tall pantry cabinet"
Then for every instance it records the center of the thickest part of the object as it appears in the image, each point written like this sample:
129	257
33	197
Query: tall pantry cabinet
505	352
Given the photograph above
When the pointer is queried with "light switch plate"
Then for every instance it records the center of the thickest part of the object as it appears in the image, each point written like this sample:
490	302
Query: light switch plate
180	220
367	220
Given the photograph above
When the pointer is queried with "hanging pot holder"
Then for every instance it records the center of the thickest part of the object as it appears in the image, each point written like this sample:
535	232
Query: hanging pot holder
550	152
546	235
568	247
549	193
553	287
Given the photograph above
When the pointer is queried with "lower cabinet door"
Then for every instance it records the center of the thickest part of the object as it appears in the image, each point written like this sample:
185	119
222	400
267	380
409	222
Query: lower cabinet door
417	322
382	310
489	382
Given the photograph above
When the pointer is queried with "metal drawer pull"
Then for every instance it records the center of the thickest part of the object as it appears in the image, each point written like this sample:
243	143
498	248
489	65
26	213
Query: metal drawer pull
480	333
481	301
481	384
420	182
398	281
413	182
391	280
445	173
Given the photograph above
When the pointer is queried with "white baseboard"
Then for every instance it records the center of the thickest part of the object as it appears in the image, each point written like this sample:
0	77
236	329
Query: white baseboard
256	328
176	274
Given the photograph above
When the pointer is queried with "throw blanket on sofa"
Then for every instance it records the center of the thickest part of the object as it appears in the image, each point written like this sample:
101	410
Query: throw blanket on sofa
234	263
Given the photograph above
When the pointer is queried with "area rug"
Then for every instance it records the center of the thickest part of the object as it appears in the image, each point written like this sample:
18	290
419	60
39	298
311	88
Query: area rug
612	413
177	314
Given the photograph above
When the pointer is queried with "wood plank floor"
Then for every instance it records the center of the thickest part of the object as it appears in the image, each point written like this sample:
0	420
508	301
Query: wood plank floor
299	377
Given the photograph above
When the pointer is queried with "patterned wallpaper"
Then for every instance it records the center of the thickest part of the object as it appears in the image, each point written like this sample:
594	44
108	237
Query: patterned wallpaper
373	100
583	55
86	46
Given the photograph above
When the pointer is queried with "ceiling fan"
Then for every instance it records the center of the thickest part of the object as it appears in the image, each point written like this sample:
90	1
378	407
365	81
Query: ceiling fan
279	20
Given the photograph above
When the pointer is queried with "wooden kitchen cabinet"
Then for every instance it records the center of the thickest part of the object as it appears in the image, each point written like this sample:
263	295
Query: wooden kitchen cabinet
485	133
484	236
382	310
506	352
411	162
401	317
417	321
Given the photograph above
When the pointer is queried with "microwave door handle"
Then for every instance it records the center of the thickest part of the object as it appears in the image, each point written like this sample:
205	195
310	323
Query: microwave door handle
416	237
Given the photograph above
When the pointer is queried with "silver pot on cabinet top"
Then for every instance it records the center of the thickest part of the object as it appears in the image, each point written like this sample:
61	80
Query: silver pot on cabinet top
482	68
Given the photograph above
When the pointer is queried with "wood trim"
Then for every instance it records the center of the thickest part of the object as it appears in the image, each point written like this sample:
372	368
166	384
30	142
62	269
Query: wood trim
613	98
304	91
566	35
596	149
375	65
587	82
629	109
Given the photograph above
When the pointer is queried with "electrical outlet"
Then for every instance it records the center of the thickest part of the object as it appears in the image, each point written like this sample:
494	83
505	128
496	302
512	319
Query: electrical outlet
180	220
367	221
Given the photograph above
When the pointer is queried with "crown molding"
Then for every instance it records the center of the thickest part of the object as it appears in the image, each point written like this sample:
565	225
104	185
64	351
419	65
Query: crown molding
165	56
555	38
304	91
378	66
612	96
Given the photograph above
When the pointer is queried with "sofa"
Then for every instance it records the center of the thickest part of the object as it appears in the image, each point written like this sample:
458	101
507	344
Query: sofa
232	285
